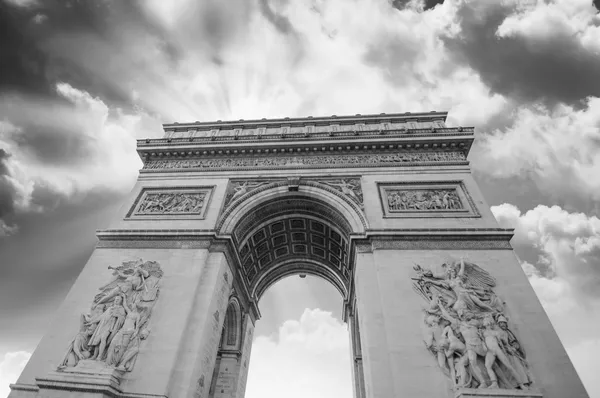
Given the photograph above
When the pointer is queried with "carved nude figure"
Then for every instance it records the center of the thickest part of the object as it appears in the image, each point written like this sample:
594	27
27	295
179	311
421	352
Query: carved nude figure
346	188
244	188
78	349
130	355
469	326
467	298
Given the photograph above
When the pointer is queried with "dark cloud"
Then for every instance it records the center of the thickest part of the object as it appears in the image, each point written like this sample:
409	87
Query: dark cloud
597	4
280	22
23	67
44	45
427	4
7	191
40	264
55	145
556	69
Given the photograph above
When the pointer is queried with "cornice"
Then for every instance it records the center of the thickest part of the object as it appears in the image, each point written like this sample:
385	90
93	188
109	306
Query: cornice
406	138
319	120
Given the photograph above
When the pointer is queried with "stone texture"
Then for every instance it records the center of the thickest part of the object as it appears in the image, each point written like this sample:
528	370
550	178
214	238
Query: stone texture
203	260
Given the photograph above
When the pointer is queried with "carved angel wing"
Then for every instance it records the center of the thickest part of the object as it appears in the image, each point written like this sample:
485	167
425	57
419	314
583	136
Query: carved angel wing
478	277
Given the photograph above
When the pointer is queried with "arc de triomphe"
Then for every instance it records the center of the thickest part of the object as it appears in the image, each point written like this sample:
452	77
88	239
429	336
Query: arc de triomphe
382	206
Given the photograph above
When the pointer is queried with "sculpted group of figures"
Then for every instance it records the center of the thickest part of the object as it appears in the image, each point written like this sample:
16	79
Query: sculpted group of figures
424	200
172	203
112	332
466	330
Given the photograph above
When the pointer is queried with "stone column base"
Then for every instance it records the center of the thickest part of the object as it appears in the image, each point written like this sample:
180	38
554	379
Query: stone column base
88	376
496	393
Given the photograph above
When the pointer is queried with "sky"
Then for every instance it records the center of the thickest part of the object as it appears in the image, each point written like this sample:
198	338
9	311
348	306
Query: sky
80	81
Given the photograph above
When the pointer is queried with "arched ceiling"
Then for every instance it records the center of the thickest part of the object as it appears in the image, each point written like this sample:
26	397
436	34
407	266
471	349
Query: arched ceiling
293	235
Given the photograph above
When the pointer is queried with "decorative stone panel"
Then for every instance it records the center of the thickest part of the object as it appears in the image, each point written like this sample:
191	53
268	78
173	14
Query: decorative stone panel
175	202
426	199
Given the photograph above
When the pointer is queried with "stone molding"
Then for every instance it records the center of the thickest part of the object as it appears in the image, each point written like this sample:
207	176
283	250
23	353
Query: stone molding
179	161
438	244
496	393
406	117
467	204
230	205
181	137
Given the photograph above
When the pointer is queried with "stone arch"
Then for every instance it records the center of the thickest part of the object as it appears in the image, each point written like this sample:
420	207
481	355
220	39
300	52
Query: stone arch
232	325
344	206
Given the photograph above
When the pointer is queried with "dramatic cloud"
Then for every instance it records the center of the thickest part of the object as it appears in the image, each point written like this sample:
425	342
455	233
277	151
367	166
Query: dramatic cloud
10	368
567	245
531	50
560	253
311	358
81	80
558	149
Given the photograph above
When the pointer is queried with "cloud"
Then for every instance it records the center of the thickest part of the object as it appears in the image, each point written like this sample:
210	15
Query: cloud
10	368
567	246
560	253
63	149
310	356
531	51
559	149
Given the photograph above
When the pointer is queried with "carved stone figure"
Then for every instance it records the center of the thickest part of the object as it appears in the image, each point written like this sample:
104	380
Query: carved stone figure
240	188
110	333
494	340
172	203
122	338
423	200
350	188
465	322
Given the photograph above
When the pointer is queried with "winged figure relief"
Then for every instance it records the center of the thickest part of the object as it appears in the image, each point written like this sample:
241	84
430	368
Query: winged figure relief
465	328
112	331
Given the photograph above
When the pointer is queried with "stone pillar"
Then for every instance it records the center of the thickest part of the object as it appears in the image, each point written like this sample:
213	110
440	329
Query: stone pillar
184	328
244	363
358	377
378	377
231	367
198	349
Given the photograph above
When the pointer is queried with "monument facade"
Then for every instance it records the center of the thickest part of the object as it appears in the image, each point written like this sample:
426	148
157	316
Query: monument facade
384	207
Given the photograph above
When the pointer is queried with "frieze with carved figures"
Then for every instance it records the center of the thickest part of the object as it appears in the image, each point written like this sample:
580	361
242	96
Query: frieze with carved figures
362	160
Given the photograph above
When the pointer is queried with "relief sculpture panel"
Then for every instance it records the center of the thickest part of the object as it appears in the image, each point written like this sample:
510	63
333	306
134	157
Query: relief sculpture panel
177	202
421	199
466	330
426	199
111	333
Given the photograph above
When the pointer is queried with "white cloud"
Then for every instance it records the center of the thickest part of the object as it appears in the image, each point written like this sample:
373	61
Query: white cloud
10	369
567	246
83	145
543	21
23	3
309	358
559	149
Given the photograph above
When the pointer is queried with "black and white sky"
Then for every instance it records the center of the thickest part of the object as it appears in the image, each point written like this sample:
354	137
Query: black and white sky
81	80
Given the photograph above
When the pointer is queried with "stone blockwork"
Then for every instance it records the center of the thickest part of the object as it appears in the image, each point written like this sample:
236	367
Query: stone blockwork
229	208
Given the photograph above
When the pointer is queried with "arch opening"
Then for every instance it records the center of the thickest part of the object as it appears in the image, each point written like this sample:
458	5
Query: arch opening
286	233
